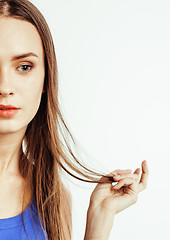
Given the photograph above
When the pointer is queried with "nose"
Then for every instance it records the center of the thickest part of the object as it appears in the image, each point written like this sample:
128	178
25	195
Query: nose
5	94
5	88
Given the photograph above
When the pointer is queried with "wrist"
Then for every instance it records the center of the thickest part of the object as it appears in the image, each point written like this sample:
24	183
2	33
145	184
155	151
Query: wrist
98	225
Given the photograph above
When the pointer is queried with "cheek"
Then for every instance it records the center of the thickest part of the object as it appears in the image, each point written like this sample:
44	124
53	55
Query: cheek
32	99
30	93
29	105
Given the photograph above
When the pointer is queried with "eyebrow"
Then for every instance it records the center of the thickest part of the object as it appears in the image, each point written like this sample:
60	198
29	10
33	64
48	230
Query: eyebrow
24	55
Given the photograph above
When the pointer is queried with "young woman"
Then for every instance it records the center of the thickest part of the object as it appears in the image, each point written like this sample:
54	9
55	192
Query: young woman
34	203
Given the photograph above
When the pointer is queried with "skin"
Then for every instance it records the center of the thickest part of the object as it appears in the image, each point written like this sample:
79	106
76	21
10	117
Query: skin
25	84
21	85
23	88
106	201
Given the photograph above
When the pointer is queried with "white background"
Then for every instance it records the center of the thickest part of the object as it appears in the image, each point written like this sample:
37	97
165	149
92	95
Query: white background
114	73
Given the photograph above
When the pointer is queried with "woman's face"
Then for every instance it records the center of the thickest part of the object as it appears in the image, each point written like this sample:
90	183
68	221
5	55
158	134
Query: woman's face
21	77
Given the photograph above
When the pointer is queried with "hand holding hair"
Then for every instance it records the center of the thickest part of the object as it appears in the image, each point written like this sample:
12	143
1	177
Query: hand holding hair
107	200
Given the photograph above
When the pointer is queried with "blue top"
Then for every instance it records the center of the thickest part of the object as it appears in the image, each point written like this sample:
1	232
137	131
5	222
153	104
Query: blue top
12	228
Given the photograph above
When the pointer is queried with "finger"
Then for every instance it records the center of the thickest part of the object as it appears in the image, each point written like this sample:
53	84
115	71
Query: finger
116	172
119	171
118	177
126	182
137	171
144	177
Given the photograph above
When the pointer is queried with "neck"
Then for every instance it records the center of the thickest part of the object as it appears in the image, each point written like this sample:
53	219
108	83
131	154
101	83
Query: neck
10	145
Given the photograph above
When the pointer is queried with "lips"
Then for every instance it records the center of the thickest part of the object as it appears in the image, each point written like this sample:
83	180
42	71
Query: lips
7	107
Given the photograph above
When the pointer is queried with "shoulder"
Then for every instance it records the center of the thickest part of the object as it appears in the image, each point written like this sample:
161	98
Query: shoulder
66	211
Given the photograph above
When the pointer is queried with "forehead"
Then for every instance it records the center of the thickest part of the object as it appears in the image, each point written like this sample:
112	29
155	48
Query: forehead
18	36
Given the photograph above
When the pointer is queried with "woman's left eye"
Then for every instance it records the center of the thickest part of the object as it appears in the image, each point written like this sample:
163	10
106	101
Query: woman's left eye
25	68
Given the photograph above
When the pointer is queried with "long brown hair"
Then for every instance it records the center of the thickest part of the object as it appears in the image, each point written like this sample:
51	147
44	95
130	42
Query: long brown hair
46	154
